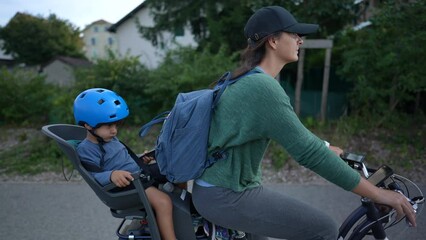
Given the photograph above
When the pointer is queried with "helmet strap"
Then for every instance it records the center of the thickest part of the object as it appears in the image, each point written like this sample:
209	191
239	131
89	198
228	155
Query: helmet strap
101	143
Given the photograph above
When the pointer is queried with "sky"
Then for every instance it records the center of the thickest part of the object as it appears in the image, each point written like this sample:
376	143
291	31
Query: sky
78	12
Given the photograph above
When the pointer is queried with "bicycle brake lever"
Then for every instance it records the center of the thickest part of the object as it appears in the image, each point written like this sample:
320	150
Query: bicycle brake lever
415	201
408	199
418	199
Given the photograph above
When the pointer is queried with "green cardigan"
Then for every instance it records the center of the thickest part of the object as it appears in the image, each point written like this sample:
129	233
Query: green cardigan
250	113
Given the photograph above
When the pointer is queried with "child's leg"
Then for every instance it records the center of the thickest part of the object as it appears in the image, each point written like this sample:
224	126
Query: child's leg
162	205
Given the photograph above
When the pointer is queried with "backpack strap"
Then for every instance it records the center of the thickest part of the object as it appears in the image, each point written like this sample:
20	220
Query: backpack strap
158	119
226	80
223	82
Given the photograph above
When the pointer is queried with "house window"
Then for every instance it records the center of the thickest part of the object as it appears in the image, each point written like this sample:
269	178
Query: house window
110	41
179	32
95	29
93	40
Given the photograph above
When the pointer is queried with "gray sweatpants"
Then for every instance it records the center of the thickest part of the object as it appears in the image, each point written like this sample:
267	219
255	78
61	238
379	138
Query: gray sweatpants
263	212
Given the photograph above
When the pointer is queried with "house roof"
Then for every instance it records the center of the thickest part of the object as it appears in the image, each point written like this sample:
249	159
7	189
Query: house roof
113	28
74	62
98	22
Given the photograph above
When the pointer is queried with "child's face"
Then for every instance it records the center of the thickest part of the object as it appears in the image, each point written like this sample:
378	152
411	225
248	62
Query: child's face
107	131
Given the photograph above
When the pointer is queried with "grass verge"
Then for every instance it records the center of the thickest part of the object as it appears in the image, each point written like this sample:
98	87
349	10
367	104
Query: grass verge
399	144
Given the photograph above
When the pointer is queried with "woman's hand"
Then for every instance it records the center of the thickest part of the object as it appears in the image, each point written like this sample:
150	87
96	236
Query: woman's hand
121	178
398	202
387	197
338	151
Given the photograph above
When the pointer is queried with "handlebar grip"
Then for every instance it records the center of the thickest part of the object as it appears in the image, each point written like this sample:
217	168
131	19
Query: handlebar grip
394	186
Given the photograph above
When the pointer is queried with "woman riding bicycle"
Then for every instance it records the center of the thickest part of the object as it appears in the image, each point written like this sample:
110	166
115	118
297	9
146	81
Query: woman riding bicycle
250	113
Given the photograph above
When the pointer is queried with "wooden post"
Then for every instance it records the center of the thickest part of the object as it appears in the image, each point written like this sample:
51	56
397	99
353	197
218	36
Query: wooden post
317	43
299	81
325	82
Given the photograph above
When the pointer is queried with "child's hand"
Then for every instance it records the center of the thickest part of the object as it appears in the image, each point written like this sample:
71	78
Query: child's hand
121	178
147	158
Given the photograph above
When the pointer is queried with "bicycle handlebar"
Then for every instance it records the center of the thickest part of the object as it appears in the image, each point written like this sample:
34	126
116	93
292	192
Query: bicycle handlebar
382	177
378	218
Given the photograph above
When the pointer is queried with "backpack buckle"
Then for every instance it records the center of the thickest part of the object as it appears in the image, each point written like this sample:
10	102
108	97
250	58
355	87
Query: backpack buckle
219	155
145	178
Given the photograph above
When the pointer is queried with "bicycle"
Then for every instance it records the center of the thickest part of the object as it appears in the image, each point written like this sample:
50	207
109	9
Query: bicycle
371	219
138	219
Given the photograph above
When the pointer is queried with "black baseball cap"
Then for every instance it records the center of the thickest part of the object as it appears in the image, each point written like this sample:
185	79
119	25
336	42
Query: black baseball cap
272	19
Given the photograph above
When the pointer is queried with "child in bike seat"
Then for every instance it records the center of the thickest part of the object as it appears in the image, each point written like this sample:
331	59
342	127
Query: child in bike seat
108	160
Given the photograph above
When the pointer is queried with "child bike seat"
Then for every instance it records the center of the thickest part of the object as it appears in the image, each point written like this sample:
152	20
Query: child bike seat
122	204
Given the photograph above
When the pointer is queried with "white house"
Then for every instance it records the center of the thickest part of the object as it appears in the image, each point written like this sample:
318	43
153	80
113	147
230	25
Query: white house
5	59
98	40
131	43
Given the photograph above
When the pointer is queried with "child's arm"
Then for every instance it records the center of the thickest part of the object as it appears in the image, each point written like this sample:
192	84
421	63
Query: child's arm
121	178
91	156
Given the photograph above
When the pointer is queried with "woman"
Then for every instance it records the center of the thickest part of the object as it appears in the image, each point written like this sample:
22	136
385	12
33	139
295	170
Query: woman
249	114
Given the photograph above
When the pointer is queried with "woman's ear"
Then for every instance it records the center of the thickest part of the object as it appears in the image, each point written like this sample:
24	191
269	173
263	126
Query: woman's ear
273	42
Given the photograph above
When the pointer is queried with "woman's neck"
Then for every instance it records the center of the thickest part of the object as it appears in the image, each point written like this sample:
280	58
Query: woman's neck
270	67
272	63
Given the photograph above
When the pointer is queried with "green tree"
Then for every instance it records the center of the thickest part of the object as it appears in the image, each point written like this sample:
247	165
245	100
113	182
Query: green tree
332	15
36	40
385	60
222	22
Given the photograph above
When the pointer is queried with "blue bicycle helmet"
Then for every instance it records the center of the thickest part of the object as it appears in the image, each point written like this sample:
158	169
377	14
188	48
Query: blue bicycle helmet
97	106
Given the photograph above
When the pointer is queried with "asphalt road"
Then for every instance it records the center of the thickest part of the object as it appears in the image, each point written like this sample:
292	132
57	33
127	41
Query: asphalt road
72	211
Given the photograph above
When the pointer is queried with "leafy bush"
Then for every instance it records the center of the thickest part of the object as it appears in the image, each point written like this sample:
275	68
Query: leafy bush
126	76
278	155
27	99
183	70
24	97
61	105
